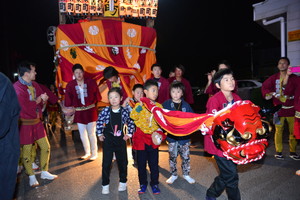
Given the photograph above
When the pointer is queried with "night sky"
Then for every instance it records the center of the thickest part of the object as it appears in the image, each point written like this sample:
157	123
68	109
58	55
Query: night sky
197	34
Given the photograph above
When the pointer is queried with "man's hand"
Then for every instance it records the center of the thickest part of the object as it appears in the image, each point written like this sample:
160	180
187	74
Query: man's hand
269	96
210	75
38	100
44	97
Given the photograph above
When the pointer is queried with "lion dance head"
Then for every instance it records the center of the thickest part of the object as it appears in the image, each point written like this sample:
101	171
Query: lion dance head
240	133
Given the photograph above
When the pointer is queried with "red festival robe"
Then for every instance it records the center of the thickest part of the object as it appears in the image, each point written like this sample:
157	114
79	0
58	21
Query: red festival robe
297	112
92	96
272	84
30	110
214	104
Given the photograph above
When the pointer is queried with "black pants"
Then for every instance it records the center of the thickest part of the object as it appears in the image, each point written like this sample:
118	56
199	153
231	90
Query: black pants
228	180
133	152
120	150
150	155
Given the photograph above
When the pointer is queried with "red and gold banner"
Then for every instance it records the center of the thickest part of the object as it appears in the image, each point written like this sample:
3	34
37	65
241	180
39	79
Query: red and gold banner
129	48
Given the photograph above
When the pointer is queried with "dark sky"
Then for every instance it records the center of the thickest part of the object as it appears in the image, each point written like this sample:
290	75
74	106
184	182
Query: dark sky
197	34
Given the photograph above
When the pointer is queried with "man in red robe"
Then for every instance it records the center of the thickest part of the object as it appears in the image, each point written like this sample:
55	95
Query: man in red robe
32	99
188	94
163	84
83	94
281	88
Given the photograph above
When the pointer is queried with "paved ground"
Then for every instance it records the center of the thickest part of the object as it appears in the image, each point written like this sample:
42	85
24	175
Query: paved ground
268	179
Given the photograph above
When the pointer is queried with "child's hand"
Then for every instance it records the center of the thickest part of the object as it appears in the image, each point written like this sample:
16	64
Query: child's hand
101	138
126	137
126	101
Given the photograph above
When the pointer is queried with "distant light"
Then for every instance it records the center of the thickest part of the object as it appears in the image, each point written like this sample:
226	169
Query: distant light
15	74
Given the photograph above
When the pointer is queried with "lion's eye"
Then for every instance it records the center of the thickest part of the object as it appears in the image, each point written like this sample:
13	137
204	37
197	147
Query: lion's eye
246	136
260	131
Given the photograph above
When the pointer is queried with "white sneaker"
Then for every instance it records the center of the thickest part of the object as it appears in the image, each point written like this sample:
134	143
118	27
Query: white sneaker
171	179
85	156
189	179
105	189
32	181
34	166
48	176
122	187
93	157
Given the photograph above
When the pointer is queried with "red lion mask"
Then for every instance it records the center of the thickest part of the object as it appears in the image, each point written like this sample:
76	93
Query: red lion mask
240	133
237	129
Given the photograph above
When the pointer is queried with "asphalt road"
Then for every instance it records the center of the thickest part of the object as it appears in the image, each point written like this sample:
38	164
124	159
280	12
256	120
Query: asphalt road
267	179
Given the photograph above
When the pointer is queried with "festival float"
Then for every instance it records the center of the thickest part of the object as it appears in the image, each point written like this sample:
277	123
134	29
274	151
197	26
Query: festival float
95	34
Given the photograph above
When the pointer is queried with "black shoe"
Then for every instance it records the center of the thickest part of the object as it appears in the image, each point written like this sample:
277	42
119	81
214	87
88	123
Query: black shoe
294	156
279	156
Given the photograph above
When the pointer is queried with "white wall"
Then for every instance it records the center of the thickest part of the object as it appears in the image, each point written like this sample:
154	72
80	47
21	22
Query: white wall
270	9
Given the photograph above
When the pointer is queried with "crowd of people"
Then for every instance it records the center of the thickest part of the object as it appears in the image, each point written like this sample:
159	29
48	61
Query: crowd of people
127	118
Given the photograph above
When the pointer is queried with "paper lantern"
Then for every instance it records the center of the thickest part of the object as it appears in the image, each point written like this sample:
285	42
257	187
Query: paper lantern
122	8
92	7
128	7
135	9
154	6
111	8
85	7
99	6
51	31
70	6
142	9
148	8
62	6
78	7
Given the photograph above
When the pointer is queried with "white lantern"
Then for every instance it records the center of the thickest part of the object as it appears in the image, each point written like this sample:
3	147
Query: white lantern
93	7
51	35
78	7
142	9
85	7
70	6
99	6
148	8
122	8
62	6
154	9
135	8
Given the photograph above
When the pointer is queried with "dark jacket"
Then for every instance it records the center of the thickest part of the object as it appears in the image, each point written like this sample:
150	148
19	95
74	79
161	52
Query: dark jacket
9	138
